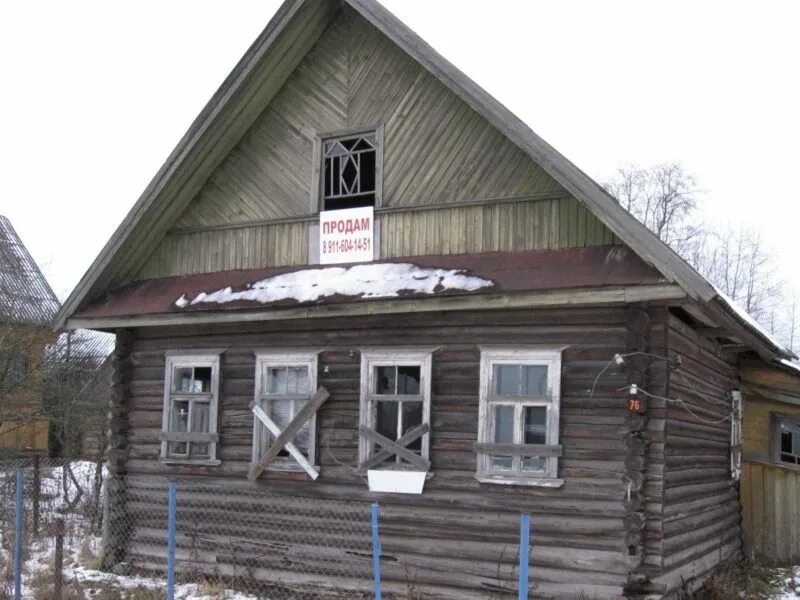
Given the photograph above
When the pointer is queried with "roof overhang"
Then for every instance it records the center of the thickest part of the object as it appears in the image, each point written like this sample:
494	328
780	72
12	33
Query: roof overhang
605	274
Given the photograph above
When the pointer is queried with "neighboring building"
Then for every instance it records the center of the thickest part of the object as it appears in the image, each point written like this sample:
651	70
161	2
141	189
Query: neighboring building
770	487
27	308
504	307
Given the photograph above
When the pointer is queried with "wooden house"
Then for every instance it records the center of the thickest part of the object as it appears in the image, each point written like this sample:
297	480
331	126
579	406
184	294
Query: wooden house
485	347
27	308
770	486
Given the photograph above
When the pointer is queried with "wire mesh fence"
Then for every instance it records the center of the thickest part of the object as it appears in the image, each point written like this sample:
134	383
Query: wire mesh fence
232	543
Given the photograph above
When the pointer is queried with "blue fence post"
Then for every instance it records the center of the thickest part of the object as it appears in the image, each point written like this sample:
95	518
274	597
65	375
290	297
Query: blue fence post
173	493
20	508
524	554
376	552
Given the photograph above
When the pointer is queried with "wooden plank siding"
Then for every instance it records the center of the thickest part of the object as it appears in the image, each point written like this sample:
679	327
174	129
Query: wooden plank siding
459	537
770	493
437	149
701	513
526	224
438	153
770	514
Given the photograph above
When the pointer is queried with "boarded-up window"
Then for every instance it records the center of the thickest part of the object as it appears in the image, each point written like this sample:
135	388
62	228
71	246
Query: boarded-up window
395	399
284	384
519	415
191	398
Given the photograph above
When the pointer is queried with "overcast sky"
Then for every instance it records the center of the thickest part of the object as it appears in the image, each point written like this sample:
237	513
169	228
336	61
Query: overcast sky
95	95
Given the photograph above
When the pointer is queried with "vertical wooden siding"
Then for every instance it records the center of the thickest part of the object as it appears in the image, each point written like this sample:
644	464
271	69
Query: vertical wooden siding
459	536
770	498
496	227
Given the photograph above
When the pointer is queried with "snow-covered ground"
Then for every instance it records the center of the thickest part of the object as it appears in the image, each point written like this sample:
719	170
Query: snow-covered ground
82	546
792	591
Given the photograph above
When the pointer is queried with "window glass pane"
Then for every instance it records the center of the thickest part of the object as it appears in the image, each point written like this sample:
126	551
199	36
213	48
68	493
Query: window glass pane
182	380
533	464
501	462
786	441
412	416
503	424
297	380
200	417
202	380
795	443
280	411
385	378
535	424
177	449
507	380
302	437
535	380
408	379
179	419
200	450
277	380
386	419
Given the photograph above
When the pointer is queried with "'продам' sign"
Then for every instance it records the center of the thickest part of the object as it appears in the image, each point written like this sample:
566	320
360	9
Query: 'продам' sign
346	235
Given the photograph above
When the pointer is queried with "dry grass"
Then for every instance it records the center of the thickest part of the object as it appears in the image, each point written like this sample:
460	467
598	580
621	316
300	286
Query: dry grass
742	581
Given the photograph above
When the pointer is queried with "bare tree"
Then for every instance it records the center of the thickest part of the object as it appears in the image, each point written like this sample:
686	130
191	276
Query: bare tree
664	198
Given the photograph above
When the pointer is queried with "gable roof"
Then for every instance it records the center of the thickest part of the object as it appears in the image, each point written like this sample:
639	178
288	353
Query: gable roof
260	74
25	296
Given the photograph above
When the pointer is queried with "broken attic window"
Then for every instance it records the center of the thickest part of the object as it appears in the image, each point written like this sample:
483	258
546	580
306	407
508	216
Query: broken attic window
348	176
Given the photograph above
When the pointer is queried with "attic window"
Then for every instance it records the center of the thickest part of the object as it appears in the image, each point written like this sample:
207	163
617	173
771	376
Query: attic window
350	171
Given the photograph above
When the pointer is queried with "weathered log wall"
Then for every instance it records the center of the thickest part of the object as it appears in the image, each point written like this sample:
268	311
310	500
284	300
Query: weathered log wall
459	538
701	512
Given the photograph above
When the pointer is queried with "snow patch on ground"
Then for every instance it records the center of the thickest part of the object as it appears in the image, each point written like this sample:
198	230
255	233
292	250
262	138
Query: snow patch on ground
386	280
792	591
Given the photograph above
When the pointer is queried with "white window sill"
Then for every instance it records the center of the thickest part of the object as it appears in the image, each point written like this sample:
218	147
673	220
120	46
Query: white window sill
192	462
548	482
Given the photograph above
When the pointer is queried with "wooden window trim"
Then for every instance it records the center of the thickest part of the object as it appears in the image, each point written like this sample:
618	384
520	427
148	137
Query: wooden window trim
422	357
317	165
551	451
285	358
194	358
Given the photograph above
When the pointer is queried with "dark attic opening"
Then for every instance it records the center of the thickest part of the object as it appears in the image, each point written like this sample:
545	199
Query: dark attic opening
349	172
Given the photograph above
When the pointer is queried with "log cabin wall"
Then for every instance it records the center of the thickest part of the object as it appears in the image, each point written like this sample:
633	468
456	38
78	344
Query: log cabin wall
256	208
701	510
464	533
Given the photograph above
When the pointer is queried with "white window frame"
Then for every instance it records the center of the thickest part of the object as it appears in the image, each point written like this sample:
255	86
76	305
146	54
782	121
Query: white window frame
177	360
288	358
736	435
535	356
385	357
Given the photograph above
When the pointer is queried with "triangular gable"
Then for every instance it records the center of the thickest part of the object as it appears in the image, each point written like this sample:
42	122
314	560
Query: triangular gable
254	82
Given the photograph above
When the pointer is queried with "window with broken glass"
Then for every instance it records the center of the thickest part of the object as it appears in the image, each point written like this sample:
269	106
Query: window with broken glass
191	395
395	398
284	384
519	415
349	171
786	440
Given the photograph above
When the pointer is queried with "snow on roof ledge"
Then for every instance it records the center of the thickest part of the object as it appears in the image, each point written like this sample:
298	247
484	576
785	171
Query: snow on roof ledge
382	280
749	321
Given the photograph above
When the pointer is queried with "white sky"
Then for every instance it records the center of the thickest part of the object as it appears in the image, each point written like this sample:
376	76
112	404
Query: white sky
95	95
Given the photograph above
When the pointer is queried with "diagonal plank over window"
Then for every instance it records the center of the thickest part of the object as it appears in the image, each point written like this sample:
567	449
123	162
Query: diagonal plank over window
283	439
398	447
